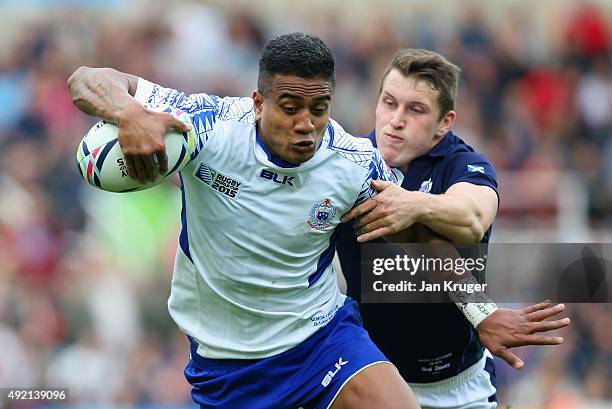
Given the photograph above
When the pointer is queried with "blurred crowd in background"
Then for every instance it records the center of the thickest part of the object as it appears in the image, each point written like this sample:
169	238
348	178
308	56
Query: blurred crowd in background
84	276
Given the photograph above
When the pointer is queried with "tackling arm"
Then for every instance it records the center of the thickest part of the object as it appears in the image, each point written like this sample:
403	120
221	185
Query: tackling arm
462	214
499	329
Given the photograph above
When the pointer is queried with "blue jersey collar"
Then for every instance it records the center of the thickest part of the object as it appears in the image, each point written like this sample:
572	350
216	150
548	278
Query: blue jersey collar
442	148
278	162
288	165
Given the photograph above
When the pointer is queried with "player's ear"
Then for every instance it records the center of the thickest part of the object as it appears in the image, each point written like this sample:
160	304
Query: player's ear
258	104
446	123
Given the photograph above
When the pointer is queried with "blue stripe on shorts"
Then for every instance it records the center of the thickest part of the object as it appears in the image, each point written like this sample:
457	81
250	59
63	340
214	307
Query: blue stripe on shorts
490	368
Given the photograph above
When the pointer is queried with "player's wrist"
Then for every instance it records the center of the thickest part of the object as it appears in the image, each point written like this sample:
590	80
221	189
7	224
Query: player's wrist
424	209
476	306
476	313
128	112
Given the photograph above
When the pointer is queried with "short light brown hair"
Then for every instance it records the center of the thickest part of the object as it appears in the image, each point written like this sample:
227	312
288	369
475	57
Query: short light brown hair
431	67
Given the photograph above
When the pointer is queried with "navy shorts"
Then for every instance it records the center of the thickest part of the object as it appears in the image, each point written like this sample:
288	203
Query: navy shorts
309	375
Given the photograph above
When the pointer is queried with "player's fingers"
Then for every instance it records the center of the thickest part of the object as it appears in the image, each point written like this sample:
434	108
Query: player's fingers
544	326
545	313
150	164
131	167
141	169
143	166
363	208
536	307
537	340
512	360
380	185
162	161
366	219
173	122
374	225
376	234
179	125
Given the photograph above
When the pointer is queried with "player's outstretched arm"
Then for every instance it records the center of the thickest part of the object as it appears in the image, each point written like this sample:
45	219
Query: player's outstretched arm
108	94
499	329
507	328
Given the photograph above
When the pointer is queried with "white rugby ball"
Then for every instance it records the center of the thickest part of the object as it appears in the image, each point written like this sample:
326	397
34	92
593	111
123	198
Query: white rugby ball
102	164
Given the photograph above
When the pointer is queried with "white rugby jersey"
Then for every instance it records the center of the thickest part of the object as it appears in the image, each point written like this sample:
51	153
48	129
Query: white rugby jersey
253	274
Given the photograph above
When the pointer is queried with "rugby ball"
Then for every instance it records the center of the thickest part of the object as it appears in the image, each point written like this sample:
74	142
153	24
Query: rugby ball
102	164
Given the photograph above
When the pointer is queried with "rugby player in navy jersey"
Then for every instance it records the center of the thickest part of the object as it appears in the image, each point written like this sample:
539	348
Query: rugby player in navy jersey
451	191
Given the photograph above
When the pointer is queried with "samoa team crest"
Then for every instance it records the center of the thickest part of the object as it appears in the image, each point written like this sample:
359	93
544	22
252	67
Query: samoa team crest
321	215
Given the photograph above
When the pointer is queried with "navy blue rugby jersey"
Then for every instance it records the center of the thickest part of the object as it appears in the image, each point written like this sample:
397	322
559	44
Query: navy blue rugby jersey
427	342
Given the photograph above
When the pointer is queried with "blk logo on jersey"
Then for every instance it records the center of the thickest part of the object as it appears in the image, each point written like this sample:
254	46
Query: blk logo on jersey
330	374
276	178
321	215
224	184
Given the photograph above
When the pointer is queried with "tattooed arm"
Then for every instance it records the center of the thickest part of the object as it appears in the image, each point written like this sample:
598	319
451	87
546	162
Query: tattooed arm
102	92
108	94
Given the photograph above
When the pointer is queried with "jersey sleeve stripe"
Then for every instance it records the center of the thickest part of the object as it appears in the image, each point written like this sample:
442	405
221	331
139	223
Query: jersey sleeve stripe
183	236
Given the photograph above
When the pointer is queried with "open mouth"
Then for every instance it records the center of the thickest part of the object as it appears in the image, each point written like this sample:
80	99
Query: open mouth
303	146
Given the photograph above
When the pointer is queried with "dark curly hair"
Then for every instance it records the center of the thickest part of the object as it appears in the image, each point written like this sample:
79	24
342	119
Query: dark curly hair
299	54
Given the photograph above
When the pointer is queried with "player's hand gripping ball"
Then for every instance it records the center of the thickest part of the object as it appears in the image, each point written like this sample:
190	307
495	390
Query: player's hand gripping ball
102	164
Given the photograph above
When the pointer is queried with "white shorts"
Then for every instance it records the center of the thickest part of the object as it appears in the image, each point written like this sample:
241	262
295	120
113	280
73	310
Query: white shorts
470	389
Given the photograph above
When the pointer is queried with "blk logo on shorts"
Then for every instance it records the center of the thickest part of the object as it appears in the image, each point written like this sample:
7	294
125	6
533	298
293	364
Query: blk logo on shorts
224	184
330	374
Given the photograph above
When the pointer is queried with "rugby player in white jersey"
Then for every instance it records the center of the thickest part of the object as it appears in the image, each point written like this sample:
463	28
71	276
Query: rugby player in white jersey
253	286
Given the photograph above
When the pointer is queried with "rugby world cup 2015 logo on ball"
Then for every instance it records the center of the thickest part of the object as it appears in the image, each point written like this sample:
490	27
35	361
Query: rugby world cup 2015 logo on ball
321	215
102	164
